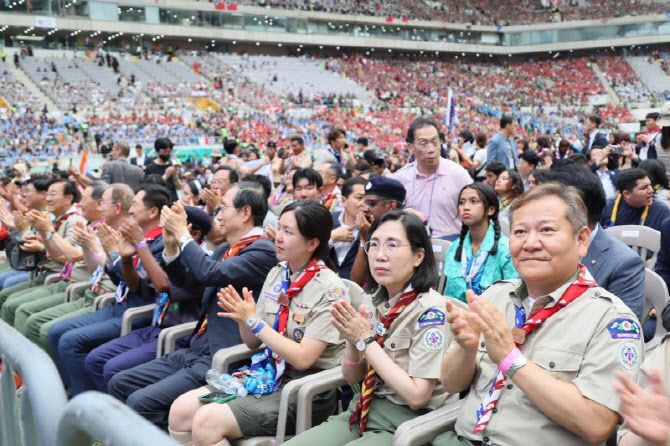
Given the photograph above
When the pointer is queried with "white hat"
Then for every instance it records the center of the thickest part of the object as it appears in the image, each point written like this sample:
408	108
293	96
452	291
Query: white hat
664	119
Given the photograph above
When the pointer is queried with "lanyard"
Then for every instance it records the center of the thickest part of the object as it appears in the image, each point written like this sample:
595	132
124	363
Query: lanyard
432	190
161	310
615	211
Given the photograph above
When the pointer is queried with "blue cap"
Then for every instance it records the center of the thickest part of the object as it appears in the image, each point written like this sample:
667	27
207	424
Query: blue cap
386	187
198	219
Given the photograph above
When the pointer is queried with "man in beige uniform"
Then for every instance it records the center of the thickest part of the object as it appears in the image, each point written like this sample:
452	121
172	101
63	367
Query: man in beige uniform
556	389
309	316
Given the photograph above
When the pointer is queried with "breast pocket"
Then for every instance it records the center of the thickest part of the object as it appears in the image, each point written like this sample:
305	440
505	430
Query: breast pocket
270	310
397	347
561	364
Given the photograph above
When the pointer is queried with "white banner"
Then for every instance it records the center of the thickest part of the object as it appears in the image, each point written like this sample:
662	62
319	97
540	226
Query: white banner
45	22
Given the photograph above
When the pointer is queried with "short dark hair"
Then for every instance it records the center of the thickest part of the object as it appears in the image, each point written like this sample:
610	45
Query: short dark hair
543	141
251	194
506	120
156	196
495	167
655	172
40	183
586	183
335	133
69	188
314	222
595	119
419	123
162	143
425	275
297	139
229	145
313	177
467	136
348	186
154	178
232	173
653	115
262	180
138	146
481	139
363	141
628	179
530	157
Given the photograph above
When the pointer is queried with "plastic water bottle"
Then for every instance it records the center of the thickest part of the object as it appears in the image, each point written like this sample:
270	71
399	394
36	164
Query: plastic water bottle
225	383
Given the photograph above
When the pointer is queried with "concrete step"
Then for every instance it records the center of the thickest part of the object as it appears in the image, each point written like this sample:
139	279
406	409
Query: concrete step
22	77
605	83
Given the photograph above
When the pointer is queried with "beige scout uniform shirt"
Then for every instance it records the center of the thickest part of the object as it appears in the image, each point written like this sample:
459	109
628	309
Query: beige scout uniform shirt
417	341
309	311
65	230
659	359
582	343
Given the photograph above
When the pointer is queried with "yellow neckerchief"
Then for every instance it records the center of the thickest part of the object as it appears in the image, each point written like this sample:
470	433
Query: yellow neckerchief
616	209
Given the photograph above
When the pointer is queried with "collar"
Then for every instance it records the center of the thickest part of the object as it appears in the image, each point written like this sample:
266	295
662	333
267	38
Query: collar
593	133
341	220
520	293
442	169
255	231
73	210
487	243
595	231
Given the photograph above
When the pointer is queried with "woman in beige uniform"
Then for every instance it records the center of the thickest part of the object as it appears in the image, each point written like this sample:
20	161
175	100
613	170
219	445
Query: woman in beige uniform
396	349
292	318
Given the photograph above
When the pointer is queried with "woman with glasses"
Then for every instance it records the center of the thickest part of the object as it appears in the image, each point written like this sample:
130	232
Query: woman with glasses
481	255
291	319
394	347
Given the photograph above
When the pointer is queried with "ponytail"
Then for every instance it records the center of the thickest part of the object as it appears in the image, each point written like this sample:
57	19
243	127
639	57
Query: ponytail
459	251
496	237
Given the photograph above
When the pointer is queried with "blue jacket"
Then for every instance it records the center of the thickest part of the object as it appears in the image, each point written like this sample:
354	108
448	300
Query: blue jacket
248	268
344	268
618	269
497	151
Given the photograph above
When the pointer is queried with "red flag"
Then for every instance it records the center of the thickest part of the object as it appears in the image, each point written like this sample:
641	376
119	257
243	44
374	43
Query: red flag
389	18
232	6
405	19
219	5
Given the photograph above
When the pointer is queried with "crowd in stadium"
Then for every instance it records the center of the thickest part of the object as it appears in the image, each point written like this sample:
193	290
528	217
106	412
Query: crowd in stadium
434	254
481	12
257	254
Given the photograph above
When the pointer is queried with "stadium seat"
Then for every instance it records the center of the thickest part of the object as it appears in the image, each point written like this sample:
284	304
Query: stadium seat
104	300
656	293
440	248
72	290
167	339
643	240
131	314
425	428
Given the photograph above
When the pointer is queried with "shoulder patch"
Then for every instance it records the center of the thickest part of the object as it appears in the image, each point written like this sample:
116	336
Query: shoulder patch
431	318
336	293
433	339
621	328
629	355
297	335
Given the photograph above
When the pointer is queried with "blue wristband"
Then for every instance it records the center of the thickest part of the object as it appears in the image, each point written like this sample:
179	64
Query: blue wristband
258	328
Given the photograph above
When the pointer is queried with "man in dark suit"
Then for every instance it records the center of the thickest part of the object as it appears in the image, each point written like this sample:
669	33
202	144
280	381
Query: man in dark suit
243	261
120	170
345	237
502	147
140	160
613	265
592	136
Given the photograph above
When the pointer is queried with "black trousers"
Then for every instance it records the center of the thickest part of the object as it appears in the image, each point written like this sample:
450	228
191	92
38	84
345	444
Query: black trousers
151	388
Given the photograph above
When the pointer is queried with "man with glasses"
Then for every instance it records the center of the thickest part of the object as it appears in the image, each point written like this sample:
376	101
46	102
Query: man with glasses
432	182
223	178
382	195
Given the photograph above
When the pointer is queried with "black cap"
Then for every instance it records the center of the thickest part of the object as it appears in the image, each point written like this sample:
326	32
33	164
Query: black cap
386	187
198	219
272	144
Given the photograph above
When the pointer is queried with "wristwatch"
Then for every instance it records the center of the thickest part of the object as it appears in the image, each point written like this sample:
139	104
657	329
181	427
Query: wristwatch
251	322
49	235
362	344
516	365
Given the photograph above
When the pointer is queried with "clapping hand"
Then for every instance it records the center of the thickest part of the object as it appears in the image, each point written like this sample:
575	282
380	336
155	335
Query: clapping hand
271	233
647	413
109	238
465	332
32	244
236	308
39	221
212	199
174	220
353	325
82	235
493	325
21	221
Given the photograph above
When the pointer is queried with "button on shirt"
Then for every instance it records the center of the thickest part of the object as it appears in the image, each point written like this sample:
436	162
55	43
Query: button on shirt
580	344
436	196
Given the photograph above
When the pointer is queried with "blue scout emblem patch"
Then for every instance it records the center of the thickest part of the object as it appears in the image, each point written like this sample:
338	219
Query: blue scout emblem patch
624	329
431	318
629	356
297	335
380	329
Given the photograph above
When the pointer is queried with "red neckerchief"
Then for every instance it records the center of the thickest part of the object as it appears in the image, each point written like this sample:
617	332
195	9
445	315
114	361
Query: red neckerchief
60	220
231	252
368	387
303	279
578	287
328	200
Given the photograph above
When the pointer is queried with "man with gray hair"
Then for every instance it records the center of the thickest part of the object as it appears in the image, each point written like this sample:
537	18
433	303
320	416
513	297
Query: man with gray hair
120	170
549	378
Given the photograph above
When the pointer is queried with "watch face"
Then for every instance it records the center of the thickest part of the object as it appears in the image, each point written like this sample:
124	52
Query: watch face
360	346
